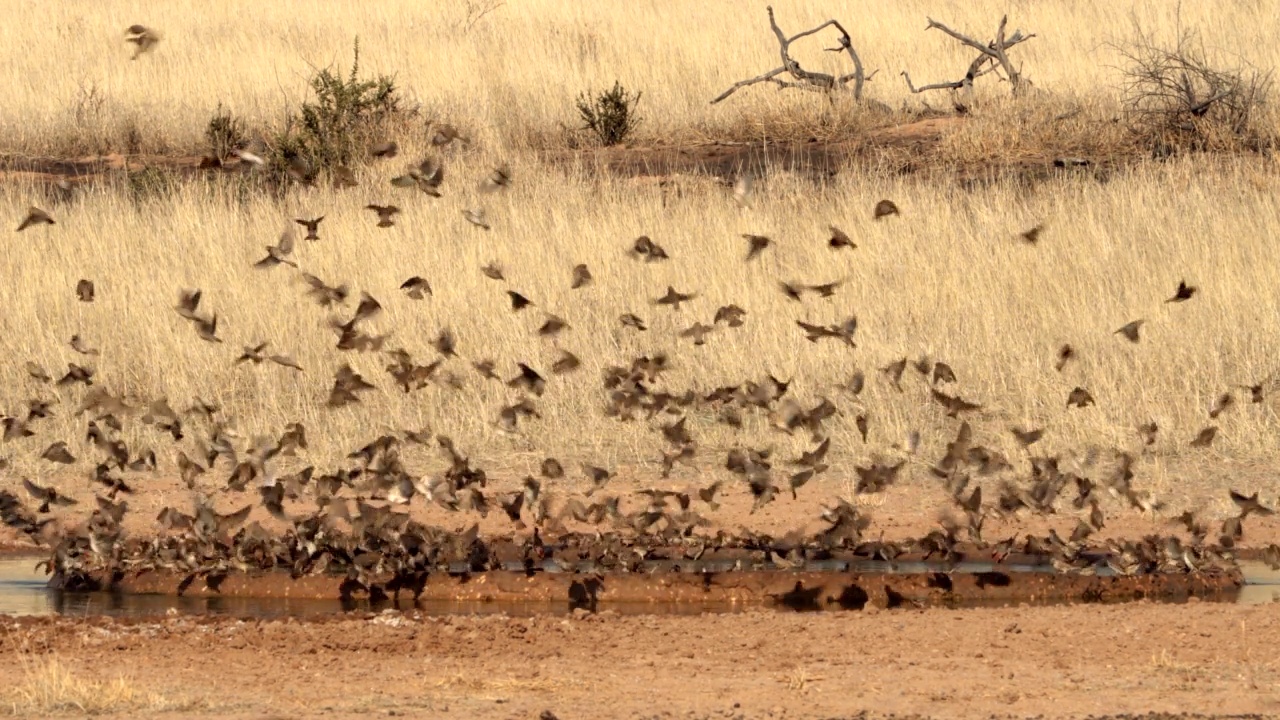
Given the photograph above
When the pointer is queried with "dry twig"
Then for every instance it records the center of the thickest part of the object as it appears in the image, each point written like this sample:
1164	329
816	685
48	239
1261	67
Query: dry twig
806	79
993	56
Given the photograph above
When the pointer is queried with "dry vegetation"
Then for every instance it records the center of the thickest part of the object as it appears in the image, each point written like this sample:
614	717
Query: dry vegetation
950	277
71	85
50	687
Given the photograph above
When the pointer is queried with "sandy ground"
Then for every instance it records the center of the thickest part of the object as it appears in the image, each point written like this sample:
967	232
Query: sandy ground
1021	662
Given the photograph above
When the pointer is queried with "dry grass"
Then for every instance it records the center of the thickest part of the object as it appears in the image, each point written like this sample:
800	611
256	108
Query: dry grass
50	687
511	78
949	278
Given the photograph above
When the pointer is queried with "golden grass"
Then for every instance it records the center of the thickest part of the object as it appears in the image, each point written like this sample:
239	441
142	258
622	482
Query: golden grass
949	278
511	79
51	687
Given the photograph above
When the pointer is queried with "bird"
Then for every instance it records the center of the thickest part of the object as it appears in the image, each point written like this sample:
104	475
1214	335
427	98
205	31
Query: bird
426	176
1205	437
386	149
385	214
518	301
581	277
476	217
840	239
85	291
674	298
1079	397
312	225
417	288
1032	236
278	253
493	271
497	179
883	209
1183	293
143	38
643	247
756	244
35	216
1130	330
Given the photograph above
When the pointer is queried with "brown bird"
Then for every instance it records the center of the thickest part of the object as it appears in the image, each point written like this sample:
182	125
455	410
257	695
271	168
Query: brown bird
674	298
1065	353
35	216
78	344
1130	330
840	239
883	209
1026	438
1148	431
58	453
1249	504
85	290
207	329
312	226
553	326
1079	397
1205	437
698	332
427	176
38	373
566	363
417	288
445	343
597	475
445	134
1183	293
279	253
385	214
493	271
756	244
387	149
476	216
581	276
528	379
1032	236
323	293
46	496
257	355
954	403
143	39
645	248
731	315
518	301
346	384
1224	401
633	321
499	178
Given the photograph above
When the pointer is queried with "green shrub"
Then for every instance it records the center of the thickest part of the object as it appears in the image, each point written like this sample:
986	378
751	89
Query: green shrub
611	115
335	127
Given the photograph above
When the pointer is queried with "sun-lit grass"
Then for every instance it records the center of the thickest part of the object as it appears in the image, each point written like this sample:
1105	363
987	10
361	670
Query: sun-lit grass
511	78
51	687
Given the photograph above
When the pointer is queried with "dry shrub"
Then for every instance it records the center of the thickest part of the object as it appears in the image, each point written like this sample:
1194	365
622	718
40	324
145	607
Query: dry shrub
1178	97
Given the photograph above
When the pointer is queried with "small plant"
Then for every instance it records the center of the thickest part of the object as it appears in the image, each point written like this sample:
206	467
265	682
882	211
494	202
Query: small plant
611	115
334	128
225	132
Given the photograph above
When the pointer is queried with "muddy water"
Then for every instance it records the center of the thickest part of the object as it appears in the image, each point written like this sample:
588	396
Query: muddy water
23	592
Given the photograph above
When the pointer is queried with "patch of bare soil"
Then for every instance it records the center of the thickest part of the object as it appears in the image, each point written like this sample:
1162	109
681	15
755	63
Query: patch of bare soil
1020	662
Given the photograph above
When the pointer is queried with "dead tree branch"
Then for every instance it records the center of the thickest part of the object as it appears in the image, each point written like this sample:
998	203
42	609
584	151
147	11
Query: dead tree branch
992	56
807	79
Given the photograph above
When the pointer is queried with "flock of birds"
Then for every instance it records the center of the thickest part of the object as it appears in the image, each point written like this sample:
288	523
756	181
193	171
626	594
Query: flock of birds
354	519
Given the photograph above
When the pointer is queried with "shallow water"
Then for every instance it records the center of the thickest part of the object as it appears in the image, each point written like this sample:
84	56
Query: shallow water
23	592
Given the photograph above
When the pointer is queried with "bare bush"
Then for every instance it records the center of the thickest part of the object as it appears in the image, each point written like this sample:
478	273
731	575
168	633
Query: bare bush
1179	98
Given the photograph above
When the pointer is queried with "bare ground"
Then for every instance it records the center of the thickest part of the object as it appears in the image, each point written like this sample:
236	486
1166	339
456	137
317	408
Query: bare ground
1046	662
